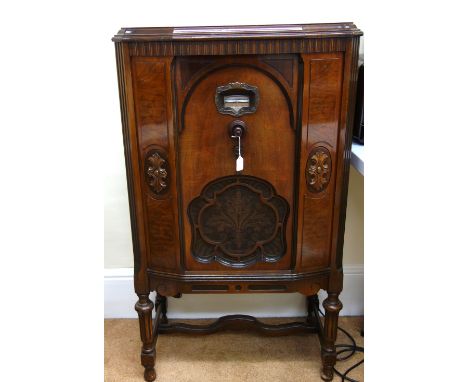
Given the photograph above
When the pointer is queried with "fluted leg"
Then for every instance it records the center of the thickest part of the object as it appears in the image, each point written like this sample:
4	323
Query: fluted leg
144	307
332	306
163	301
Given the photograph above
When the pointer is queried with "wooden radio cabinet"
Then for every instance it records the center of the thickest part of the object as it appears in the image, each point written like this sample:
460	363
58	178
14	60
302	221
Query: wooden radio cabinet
237	146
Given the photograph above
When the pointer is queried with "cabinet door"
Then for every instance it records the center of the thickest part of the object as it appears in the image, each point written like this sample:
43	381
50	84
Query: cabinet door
237	220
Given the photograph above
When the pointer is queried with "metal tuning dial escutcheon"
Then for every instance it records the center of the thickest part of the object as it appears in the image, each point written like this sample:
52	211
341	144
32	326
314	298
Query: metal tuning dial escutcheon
237	129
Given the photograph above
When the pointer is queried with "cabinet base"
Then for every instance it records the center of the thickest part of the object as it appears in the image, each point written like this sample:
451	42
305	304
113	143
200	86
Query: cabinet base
312	324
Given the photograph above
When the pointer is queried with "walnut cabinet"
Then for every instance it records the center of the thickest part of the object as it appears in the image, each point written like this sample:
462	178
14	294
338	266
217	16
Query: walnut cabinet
237	146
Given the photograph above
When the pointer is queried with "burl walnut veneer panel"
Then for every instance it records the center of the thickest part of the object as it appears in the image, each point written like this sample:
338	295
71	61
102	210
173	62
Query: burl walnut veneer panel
322	101
153	109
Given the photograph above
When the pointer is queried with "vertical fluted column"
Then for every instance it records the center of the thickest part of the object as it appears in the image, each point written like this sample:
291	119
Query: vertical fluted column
144	307
332	306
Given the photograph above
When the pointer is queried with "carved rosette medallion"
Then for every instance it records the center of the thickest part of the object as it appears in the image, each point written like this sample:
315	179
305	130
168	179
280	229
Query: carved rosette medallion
156	172
318	169
238	221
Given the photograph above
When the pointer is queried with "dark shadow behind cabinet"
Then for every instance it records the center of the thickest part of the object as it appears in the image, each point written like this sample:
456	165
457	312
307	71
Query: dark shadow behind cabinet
237	145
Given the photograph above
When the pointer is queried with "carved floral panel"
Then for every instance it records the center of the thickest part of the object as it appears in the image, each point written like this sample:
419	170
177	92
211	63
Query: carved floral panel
318	169
238	221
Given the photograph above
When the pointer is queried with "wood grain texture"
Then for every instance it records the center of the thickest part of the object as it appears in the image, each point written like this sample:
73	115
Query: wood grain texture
129	133
162	237
239	32
149	82
285	65
206	149
189	71
320	126
153	108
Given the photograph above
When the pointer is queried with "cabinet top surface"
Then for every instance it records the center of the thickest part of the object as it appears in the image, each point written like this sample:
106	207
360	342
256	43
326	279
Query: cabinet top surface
346	29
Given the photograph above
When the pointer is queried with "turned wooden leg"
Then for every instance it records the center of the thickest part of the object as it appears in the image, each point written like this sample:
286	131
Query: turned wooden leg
332	306
144	307
163	301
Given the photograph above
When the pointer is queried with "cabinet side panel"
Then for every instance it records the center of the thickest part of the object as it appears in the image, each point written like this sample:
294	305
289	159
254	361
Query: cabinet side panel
350	73
132	165
320	127
153	107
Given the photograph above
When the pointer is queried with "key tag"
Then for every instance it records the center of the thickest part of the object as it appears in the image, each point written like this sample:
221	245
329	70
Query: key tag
239	163
239	160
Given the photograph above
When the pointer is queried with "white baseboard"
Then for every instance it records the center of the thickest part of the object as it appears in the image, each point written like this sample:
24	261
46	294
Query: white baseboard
120	298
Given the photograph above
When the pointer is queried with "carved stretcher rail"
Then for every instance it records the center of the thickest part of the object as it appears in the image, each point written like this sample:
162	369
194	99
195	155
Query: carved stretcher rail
241	322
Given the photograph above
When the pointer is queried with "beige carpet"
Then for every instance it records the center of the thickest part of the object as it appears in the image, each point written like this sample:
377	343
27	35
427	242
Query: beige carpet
224	356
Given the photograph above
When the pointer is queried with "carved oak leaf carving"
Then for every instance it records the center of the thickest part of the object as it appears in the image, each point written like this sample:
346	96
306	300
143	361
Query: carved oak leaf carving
318	169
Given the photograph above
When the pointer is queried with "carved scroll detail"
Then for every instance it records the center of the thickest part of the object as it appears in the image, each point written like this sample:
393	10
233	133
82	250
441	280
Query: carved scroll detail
318	169
156	173
237	221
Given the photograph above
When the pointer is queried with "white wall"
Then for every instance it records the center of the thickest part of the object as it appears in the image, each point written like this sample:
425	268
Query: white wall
353	251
